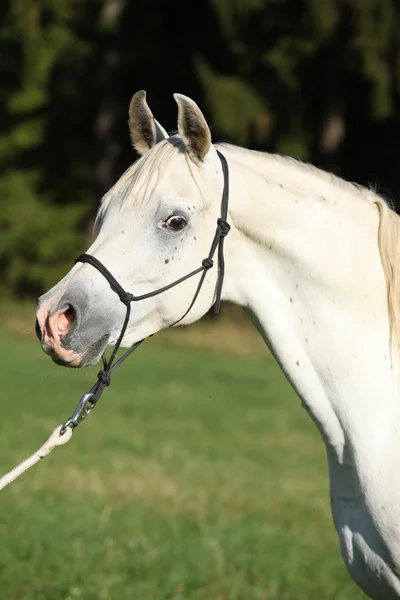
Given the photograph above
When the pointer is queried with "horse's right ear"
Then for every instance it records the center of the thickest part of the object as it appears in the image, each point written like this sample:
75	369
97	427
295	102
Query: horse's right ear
145	131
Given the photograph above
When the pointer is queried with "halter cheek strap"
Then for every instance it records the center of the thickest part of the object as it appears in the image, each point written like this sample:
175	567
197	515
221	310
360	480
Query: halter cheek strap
89	400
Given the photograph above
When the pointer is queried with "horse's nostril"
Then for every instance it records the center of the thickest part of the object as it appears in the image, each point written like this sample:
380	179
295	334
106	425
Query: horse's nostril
66	318
38	331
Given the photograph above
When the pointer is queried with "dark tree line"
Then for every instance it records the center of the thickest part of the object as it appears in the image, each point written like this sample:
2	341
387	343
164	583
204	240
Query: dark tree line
315	79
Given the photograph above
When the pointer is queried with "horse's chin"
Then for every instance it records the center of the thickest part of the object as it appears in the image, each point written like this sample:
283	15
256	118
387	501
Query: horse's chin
65	356
81	360
71	364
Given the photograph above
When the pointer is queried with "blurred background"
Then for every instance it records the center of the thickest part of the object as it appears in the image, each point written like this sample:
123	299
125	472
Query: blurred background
318	80
199	476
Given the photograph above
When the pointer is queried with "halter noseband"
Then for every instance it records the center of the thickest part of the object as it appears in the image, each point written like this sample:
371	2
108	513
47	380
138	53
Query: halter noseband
88	400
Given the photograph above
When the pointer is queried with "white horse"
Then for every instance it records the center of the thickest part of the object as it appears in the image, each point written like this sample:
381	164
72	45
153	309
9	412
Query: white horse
314	260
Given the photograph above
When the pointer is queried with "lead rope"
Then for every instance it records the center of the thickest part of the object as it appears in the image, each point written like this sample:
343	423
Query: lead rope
63	433
56	439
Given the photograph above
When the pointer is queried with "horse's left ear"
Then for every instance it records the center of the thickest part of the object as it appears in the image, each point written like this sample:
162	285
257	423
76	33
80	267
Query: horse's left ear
145	131
193	128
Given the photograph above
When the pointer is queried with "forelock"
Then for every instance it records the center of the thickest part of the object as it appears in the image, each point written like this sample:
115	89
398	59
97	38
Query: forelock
136	185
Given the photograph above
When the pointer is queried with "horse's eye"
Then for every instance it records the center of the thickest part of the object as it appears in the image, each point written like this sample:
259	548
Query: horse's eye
176	222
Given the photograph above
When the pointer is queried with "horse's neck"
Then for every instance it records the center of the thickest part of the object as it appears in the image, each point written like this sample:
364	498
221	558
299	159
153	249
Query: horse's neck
312	277
308	267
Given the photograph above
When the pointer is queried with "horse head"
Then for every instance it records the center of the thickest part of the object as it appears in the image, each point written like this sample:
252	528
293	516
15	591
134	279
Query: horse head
153	227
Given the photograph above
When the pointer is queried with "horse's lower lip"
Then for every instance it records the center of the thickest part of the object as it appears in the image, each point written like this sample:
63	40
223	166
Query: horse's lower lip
71	362
66	363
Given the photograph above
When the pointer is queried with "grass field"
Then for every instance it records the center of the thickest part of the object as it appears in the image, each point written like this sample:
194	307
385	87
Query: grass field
198	476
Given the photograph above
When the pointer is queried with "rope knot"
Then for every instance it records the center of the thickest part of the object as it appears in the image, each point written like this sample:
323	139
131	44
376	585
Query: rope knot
224	227
104	377
126	298
207	263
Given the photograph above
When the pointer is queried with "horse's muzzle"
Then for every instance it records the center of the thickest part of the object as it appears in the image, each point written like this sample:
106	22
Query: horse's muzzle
53	327
68	332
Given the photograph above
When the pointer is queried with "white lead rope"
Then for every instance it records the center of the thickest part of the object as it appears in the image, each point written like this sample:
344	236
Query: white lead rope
56	439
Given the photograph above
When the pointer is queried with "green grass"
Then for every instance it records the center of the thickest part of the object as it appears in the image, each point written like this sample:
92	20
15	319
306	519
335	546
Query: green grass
198	476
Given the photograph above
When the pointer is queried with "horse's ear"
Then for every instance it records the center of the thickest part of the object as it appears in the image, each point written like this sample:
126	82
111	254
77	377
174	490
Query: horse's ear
161	133
145	131
193	128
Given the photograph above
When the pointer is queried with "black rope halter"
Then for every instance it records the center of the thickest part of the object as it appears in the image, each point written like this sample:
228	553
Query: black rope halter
89	399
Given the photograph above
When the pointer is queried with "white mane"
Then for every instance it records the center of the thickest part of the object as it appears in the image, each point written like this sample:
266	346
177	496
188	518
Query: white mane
296	175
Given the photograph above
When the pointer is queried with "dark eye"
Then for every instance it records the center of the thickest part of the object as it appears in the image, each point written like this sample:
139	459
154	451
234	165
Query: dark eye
176	222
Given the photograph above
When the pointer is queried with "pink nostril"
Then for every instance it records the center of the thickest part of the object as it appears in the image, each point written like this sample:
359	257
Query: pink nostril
65	319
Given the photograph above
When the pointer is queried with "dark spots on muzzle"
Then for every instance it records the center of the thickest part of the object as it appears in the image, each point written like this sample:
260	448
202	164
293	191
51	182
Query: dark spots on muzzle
91	355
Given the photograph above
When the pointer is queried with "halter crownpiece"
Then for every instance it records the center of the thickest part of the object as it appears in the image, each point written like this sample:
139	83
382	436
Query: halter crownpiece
89	399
